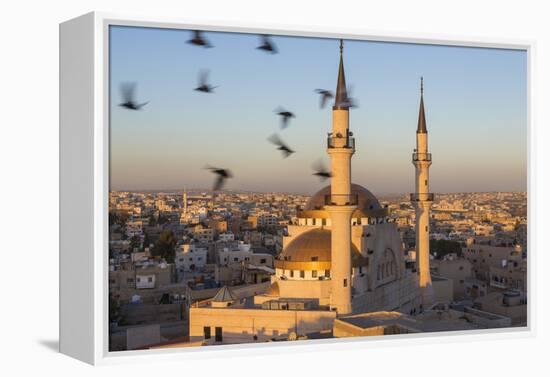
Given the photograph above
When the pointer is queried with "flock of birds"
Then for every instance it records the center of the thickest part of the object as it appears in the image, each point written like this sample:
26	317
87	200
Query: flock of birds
222	174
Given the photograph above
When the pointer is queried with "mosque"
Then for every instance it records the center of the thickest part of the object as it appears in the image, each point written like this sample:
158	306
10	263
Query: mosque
342	257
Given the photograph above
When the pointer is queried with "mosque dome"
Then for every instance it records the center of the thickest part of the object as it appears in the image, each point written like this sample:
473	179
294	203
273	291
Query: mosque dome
367	204
311	250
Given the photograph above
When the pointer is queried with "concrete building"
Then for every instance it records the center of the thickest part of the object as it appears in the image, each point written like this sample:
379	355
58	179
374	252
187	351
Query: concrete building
437	318
190	258
501	260
456	269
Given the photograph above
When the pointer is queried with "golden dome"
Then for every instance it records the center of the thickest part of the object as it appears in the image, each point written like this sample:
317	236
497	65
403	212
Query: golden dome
367	204
311	250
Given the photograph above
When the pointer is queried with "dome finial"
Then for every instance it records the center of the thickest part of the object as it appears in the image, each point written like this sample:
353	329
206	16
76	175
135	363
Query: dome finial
341	47
421	85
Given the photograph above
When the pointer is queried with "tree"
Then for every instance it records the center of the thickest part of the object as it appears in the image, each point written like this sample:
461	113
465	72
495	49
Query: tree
146	240
165	246
135	242
444	247
119	218
162	219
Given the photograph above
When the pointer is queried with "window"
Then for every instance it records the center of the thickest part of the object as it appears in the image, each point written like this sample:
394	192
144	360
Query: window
219	336
425	182
263	261
150	279
207	334
327	273
461	268
345	283
314	259
291	273
302	274
313	274
235	259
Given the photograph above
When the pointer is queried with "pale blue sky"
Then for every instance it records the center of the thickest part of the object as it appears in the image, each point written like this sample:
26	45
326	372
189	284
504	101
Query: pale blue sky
475	102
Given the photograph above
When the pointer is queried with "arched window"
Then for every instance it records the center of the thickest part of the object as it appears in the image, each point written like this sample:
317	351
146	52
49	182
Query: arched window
387	267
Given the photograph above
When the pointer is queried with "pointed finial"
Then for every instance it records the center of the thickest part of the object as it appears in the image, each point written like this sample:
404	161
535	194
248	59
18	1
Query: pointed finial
421	116
341	100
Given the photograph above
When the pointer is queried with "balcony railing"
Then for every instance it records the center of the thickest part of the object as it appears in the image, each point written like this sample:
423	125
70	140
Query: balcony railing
340	141
429	197
341	200
422	156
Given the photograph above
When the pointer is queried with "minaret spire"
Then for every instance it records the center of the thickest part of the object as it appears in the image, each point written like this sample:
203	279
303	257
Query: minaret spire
421	115
341	99
422	200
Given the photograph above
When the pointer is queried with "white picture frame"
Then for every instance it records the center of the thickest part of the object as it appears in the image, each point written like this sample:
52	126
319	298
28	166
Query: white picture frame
84	188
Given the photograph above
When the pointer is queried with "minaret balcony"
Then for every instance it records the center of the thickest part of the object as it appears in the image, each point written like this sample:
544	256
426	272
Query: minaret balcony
340	141
422	156
341	199
422	197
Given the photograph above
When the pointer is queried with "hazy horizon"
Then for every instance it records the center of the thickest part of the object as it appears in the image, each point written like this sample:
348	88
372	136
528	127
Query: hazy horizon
231	191
475	100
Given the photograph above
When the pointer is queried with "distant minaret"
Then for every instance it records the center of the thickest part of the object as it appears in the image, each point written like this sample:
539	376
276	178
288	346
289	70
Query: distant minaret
422	200
340	204
185	200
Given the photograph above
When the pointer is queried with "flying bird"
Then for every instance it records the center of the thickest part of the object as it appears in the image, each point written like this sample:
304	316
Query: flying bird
267	45
222	175
350	101
325	95
203	83
321	170
128	91
199	40
285	116
275	139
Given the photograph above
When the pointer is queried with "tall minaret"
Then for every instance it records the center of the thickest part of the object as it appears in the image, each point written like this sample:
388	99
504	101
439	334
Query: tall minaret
185	200
422	200
340	204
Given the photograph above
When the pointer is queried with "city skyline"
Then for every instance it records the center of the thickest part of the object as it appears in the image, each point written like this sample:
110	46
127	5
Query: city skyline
475	103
